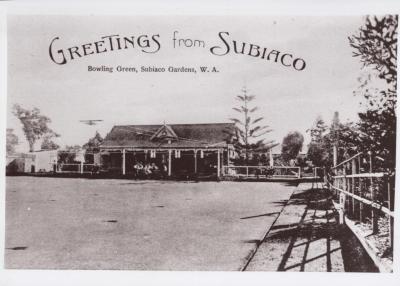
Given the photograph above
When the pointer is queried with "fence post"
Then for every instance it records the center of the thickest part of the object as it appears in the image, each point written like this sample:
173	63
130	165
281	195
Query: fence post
342	199
218	164
124	161
360	188
353	183
247	171
334	155
374	217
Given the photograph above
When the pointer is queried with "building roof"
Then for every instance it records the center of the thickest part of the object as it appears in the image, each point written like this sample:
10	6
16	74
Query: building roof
179	135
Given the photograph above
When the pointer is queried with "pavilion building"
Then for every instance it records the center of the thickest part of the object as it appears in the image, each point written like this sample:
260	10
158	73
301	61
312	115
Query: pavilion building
199	149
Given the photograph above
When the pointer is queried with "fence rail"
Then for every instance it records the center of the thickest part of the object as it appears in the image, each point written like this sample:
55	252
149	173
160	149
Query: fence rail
375	205
262	171
362	175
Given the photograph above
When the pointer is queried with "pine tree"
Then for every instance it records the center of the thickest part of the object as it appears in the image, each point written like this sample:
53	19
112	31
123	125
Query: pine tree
249	129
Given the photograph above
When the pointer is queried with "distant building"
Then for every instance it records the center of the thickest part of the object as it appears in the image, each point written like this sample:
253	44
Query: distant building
32	162
45	160
19	163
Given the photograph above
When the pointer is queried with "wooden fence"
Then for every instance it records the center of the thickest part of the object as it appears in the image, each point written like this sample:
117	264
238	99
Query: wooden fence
363	194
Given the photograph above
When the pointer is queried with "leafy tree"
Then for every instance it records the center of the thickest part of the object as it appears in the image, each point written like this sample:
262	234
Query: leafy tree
378	135
49	144
92	146
69	154
249	128
34	125
345	136
376	46
317	154
93	143
316	149
291	145
11	141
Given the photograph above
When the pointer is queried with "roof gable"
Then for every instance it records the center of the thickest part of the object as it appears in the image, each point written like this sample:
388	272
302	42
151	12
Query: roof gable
165	132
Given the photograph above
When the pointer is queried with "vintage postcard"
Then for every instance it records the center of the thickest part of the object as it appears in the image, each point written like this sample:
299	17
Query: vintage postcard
248	143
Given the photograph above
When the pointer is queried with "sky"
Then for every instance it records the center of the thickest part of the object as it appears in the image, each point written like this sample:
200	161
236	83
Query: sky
289	100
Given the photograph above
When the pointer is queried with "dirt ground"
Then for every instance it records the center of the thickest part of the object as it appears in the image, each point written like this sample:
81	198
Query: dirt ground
54	223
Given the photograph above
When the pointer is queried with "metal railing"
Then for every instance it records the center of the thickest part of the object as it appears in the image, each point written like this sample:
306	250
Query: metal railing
262	171
364	195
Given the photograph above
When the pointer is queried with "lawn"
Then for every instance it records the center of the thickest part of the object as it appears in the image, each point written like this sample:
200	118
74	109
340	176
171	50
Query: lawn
64	223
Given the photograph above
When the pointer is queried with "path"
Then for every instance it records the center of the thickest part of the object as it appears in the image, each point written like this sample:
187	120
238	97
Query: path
306	237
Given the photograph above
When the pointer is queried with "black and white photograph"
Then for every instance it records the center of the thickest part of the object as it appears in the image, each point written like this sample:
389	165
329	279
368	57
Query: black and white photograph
263	143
